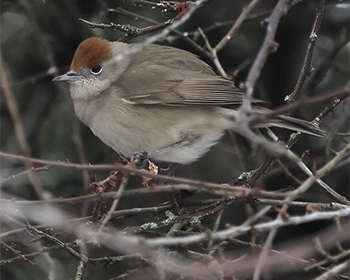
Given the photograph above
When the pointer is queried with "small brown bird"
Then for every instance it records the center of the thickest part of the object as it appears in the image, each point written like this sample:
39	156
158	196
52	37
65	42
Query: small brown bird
162	100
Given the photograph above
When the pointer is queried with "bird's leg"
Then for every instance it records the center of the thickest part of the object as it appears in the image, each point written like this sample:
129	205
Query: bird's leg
169	170
141	156
164	150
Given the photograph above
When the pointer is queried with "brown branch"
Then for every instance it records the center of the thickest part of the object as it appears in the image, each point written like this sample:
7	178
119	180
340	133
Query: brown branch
183	36
265	50
27	257
38	169
309	52
227	191
339	93
335	271
78	141
131	31
208	211
115	202
187	184
292	196
17	253
236	25
18	127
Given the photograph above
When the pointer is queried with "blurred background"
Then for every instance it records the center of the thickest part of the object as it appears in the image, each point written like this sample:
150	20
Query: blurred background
38	40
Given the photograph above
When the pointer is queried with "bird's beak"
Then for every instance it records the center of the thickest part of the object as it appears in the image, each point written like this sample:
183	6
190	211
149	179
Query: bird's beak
70	76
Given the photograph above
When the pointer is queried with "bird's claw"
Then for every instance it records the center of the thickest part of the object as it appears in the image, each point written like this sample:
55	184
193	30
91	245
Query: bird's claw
139	157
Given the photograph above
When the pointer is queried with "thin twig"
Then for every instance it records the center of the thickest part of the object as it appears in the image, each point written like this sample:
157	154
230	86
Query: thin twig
12	177
19	129
292	196
183	35
215	227
309	52
37	253
17	253
213	53
339	94
334	271
239	230
265	50
115	202
236	25
338	257
320	182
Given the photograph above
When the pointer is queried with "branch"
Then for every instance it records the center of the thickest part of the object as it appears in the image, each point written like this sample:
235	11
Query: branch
265	50
292	196
236	25
339	93
309	52
239	230
18	127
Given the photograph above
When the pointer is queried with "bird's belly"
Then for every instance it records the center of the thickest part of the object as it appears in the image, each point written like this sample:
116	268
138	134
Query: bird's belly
132	128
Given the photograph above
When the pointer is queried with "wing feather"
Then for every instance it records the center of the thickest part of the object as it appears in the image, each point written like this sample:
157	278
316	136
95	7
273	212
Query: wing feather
179	78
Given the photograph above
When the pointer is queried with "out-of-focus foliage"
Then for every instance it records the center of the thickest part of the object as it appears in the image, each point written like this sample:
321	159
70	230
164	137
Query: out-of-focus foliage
38	40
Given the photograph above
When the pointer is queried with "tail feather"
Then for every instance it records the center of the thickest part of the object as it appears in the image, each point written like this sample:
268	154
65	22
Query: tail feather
290	123
297	125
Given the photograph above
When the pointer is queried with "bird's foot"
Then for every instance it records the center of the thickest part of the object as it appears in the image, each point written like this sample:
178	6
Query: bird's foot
139	158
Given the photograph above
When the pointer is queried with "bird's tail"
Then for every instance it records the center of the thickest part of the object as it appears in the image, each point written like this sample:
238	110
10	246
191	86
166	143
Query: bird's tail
295	124
280	121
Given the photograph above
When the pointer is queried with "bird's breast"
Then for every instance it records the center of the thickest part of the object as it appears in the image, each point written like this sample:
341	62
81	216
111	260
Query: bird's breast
128	128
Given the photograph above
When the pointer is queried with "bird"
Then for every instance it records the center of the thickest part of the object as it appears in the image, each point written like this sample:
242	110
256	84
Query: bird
159	99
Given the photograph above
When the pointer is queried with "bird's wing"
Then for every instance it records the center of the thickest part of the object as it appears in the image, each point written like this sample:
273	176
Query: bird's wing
169	76
197	89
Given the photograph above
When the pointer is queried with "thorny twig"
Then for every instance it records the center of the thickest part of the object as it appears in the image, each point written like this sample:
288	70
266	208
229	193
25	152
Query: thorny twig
184	230
235	27
18	128
305	70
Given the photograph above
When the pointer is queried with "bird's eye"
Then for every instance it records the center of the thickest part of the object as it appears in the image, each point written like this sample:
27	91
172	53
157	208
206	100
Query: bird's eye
97	69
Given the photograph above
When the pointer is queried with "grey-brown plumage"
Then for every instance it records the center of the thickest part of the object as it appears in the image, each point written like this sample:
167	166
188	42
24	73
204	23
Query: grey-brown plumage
155	98
190	81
